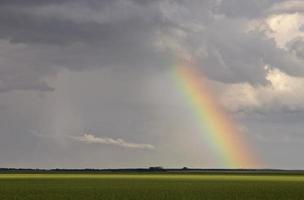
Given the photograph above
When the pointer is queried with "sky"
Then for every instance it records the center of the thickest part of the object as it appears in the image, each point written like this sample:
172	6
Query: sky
90	84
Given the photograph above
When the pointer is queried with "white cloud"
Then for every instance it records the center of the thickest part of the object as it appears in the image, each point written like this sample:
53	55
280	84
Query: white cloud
80	12
285	27
92	139
281	27
283	92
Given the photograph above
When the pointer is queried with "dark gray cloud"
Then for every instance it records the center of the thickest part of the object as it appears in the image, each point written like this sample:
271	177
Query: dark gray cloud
107	65
74	43
77	36
297	46
241	57
51	2
287	7
247	9
226	49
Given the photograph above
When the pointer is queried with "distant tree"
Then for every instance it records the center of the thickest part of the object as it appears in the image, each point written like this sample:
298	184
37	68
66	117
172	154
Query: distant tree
156	169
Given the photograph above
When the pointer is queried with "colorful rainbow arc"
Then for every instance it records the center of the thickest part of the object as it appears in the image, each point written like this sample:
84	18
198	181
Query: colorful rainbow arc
218	128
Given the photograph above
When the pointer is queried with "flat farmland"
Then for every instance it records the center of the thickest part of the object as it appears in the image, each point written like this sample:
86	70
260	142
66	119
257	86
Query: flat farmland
150	186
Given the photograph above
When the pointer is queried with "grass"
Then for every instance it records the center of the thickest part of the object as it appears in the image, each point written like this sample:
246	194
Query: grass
150	186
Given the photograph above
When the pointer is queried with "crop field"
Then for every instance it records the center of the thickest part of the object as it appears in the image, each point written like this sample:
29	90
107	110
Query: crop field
150	186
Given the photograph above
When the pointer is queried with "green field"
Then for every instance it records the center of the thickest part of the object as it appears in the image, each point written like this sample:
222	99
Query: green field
150	186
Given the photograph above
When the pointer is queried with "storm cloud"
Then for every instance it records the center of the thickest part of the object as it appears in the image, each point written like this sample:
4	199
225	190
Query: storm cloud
78	35
108	65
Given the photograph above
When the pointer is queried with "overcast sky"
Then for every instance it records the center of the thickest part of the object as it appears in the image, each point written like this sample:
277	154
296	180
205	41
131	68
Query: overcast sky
89	83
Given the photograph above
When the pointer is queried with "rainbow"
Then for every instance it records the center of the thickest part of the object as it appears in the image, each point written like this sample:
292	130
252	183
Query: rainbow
218	129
